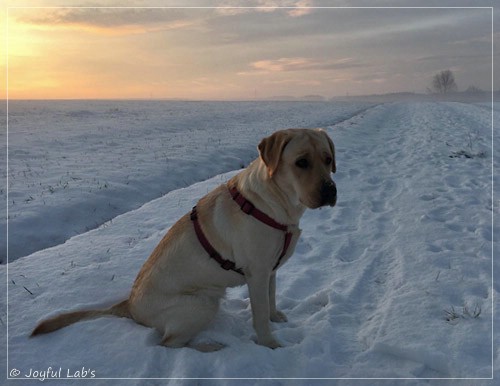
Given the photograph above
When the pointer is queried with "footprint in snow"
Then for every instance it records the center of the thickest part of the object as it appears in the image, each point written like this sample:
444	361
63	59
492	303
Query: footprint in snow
428	197
378	206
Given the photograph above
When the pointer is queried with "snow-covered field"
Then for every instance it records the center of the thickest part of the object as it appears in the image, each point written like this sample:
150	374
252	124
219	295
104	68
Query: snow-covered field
75	165
394	282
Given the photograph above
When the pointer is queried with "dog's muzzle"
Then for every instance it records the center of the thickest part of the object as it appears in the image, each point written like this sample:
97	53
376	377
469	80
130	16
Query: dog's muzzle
328	193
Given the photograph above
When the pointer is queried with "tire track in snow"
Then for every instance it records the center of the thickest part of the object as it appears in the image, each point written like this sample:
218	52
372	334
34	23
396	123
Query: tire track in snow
377	181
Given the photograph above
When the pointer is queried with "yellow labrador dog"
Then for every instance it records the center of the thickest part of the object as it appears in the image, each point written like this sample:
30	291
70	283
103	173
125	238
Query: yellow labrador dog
241	232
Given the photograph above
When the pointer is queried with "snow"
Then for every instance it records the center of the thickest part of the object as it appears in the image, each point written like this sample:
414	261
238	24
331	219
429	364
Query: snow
102	159
365	292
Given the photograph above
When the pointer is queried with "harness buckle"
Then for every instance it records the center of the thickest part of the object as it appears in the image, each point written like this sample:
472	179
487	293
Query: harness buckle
194	214
228	265
247	207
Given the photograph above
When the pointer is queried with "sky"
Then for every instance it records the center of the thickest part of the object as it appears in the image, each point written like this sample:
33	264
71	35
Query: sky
258	52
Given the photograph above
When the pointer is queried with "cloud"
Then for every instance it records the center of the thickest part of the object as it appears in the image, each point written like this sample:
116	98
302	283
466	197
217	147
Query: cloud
303	8
292	8
283	64
110	18
465	57
485	39
300	64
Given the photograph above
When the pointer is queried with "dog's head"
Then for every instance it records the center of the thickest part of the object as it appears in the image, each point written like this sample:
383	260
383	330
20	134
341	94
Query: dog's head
301	161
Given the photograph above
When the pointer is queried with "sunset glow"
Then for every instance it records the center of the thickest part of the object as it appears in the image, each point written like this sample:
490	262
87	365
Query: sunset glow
238	53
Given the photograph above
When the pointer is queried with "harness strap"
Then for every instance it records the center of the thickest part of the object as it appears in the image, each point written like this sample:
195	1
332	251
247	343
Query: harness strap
247	207
288	239
225	264
250	209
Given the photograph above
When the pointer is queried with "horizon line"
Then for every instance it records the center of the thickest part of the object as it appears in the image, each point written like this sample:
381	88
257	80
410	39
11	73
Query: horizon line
285	98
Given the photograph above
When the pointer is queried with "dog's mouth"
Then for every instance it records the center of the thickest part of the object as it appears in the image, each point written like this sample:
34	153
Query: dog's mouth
325	196
330	203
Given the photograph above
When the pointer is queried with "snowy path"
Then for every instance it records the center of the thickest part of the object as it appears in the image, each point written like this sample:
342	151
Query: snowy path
408	223
365	292
425	223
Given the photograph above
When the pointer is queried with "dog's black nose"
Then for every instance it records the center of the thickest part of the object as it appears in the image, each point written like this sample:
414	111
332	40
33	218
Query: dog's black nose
328	193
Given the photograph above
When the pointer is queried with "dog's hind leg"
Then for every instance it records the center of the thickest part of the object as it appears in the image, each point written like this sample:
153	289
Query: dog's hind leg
186	319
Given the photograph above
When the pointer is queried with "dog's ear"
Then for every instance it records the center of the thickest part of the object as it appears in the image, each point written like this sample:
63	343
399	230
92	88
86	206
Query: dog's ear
271	148
332	148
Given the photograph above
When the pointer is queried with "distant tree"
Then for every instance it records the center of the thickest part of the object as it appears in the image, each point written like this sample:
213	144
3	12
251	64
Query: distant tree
444	82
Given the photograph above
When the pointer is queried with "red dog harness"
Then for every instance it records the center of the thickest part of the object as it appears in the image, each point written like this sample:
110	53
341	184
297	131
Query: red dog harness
248	208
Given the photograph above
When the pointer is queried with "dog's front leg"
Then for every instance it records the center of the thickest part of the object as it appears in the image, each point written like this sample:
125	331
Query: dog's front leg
276	316
258	287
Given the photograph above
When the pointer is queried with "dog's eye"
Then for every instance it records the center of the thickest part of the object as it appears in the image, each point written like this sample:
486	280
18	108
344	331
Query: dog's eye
302	163
328	161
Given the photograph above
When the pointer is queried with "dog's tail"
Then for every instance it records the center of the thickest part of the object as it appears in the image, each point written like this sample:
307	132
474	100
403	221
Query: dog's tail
63	320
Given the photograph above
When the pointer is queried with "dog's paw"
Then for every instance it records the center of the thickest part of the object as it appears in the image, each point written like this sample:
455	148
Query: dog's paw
207	347
271	343
279	317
